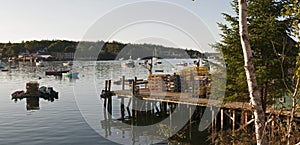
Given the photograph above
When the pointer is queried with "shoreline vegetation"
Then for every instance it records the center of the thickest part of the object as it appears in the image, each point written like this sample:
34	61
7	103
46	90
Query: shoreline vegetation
84	50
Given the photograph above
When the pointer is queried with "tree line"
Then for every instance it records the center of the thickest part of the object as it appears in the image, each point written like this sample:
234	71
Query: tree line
106	50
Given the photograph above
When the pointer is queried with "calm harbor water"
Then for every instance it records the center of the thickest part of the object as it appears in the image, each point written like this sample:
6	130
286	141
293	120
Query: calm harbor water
75	118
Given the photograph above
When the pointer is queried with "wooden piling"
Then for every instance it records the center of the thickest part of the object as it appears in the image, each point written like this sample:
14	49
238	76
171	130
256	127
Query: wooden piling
134	101
128	110
190	127
122	108
233	122
123	82
246	117
222	119
109	98
272	127
105	90
163	108
212	118
170	119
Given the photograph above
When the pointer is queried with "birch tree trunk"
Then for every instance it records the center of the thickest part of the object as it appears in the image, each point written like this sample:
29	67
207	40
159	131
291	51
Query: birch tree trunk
255	97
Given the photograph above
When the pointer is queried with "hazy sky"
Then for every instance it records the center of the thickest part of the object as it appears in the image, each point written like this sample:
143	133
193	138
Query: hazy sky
177	23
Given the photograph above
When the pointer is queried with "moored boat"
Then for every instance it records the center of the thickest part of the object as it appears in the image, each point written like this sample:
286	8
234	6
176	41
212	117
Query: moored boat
70	74
66	64
2	65
182	64
128	63
39	63
56	73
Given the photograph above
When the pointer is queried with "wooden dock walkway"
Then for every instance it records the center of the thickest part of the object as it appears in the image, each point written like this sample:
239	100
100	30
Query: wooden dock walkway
238	115
189	99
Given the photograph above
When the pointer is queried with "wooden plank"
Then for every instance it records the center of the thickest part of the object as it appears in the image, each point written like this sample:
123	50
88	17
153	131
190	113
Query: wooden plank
187	98
222	119
246	124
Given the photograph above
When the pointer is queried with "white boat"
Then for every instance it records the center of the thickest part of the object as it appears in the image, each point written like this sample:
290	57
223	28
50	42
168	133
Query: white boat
128	63
155	58
66	64
2	65
71	74
182	64
39	63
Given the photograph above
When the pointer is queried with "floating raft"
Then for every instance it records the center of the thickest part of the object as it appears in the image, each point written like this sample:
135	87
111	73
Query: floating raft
33	91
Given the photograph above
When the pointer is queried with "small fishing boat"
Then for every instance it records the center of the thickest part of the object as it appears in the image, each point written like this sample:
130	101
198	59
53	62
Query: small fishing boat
71	74
56	73
128	63
182	64
18	94
159	70
39	63
48	93
157	62
66	64
2	65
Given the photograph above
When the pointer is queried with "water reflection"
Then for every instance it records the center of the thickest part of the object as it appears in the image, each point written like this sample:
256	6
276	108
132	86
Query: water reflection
130	127
33	103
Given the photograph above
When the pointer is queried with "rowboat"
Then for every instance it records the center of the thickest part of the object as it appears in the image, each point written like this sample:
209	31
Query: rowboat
66	64
71	74
56	73
128	63
39	63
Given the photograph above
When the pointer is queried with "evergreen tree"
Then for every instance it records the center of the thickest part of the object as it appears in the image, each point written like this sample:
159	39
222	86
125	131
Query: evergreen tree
269	40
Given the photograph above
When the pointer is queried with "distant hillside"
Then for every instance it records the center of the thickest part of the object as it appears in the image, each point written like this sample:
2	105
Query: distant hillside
100	49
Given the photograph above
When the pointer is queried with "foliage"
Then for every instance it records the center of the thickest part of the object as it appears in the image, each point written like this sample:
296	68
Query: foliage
62	46
292	12
269	40
275	133
99	49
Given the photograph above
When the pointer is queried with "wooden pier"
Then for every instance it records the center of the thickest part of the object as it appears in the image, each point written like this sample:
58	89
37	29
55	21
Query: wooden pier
238	115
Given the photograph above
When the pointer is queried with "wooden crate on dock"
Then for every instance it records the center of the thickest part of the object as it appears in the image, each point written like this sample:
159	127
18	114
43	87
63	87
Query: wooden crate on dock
173	83
189	76
157	82
188	73
201	86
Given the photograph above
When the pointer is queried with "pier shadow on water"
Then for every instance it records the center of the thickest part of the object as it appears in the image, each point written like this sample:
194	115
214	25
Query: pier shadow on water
156	123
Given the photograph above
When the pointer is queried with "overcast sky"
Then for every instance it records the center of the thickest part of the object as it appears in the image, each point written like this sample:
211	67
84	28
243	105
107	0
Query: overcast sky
176	23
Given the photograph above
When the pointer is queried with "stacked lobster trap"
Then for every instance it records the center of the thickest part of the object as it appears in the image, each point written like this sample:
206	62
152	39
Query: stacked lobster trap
193	80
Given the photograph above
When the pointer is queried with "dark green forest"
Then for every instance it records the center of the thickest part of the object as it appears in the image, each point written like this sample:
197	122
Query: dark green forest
274	52
103	50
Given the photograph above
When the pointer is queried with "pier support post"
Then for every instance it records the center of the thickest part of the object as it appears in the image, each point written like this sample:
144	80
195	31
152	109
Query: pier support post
233	122
190	116
170	117
133	100
222	119
128	110
246	117
273	127
122	109
109	99
105	90
163	109
123	82
212	124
